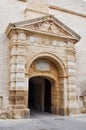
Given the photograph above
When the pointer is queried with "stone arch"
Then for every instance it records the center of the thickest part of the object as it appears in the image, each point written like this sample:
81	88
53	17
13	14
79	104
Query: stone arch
58	84
55	59
49	77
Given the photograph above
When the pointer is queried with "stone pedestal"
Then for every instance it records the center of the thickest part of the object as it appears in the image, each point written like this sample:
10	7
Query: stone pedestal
21	112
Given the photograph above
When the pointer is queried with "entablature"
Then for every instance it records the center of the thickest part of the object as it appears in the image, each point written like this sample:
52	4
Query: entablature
48	26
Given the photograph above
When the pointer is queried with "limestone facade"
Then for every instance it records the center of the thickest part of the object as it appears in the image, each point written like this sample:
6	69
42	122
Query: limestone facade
35	42
43	49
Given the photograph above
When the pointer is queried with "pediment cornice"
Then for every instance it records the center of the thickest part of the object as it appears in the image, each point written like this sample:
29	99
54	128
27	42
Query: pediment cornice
47	25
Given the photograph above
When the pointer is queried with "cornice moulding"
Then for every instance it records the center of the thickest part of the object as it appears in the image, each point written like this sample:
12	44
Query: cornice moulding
67	10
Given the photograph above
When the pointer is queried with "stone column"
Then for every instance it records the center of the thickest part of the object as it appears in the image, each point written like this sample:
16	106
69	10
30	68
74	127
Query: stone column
73	105
17	75
13	53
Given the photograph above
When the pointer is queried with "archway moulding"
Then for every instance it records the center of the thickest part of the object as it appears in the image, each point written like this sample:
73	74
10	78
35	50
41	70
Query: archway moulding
56	60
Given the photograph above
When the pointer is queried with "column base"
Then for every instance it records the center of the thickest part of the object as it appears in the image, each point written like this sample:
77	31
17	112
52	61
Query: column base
72	111
19	112
69	111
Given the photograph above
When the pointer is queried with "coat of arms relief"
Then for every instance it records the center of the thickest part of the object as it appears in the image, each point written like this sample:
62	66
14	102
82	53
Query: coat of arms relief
48	27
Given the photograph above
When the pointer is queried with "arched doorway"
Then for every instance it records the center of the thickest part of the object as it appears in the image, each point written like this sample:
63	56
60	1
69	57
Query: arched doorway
39	94
46	71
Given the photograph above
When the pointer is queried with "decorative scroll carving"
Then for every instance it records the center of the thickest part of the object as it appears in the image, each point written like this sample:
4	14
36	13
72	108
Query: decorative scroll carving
48	27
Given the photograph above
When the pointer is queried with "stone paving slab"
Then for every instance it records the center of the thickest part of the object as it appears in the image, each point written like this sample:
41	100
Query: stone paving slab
44	122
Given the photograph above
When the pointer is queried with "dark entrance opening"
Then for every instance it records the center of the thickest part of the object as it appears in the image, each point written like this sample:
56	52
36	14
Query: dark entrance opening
39	94
47	96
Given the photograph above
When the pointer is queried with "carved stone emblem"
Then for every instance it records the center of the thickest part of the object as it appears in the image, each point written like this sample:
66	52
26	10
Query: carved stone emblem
48	27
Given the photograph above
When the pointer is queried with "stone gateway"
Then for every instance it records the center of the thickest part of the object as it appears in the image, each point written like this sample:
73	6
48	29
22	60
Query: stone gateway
42	65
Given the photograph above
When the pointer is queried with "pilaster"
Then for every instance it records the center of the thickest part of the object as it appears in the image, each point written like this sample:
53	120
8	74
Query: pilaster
73	105
17	73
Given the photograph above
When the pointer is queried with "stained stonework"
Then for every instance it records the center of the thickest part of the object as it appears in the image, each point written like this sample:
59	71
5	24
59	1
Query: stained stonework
47	41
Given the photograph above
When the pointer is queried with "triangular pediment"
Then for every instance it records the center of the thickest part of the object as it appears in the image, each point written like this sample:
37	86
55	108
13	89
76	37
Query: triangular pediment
48	25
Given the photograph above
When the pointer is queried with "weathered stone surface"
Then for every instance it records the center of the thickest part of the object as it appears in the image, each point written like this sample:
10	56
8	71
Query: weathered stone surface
17	55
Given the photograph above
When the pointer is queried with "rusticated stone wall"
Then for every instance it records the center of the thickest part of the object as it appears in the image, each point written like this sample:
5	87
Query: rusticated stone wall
12	11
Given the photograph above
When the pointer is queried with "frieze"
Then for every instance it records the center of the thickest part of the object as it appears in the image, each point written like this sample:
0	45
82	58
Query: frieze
40	40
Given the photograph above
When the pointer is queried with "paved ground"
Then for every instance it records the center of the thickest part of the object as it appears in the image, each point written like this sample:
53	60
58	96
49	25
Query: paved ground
45	122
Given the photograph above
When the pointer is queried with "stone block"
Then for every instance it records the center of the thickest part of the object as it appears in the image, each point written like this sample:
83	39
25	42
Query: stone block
21	36
13	77
21	51
21	113
3	114
20	60
13	60
14	51
13	68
